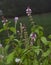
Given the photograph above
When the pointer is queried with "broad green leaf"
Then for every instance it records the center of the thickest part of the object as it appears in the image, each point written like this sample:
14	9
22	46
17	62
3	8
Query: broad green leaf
22	58
11	37
5	27
18	41
37	51
1	30
50	44
44	40
40	27
12	29
33	29
45	54
35	62
10	57
6	47
35	47
7	41
29	61
25	62
40	33
37	31
49	36
45	62
25	51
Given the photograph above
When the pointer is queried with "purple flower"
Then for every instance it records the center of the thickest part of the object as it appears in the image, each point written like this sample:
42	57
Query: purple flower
28	11
33	36
16	19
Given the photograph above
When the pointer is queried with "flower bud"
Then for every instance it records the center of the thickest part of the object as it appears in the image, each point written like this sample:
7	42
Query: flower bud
28	11
16	19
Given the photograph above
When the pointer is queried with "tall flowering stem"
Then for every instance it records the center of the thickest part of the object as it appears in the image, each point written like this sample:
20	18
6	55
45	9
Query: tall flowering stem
28	12
21	31
32	35
26	38
5	24
15	19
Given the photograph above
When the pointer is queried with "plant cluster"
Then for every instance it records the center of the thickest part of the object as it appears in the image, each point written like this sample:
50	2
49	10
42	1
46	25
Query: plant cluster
21	48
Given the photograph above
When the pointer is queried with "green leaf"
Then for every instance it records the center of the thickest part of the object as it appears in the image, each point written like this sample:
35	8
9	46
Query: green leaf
10	57
37	51
11	37
25	62
44	40
40	27
7	41
1	30
45	62
5	27
40	33
45	54
29	61
33	29
18	41
49	44
25	51
6	47
12	29
37	31
49	36
35	62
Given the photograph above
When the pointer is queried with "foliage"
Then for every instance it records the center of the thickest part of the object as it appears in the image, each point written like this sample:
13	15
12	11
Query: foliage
20	48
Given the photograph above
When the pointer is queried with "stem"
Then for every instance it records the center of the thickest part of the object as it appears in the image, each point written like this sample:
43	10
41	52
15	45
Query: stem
15	26
21	30
8	32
